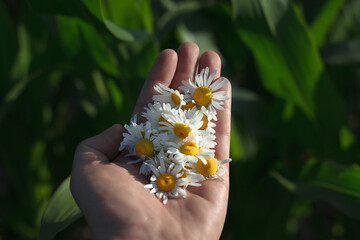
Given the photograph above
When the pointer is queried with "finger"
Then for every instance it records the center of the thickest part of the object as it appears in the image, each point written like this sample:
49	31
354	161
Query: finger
163	72
212	60
223	127
100	148
188	54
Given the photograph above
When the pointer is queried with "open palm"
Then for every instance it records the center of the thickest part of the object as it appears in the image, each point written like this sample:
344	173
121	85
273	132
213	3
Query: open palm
111	193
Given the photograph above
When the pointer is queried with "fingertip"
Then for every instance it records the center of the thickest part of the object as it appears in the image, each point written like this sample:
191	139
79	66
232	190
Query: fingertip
116	128
162	71
168	54
212	60
189	45
188	54
167	57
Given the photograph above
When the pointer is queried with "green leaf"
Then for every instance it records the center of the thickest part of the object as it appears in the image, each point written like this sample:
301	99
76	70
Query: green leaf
21	65
320	180
126	20
60	212
98	49
69	33
321	25
347	23
100	86
236	148
118	31
347	138
115	93
177	12
289	63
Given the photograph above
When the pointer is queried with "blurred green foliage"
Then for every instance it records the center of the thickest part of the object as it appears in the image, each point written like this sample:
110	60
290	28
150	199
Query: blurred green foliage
70	69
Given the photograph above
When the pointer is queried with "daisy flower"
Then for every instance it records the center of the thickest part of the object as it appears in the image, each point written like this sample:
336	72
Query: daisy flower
154	161
141	141
207	118
181	125
192	149
203	90
168	95
207	124
213	169
167	181
153	113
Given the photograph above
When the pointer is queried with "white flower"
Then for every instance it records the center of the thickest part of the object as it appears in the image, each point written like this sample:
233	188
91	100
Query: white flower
181	125
168	95
153	113
167	181
203	90
154	161
211	170
207	118
192	149
141	141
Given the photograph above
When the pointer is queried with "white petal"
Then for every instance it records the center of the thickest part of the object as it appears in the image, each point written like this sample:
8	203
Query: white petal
218	84
134	161
211	78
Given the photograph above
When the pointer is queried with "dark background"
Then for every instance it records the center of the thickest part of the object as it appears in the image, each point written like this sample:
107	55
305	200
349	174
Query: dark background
71	68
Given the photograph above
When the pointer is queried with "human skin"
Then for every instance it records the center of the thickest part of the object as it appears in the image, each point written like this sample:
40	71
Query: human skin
111	193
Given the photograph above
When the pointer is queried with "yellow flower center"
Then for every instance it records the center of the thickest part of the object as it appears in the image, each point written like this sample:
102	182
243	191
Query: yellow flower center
202	96
189	148
188	106
175	98
166	182
184	174
144	147
205	122
209	169
181	130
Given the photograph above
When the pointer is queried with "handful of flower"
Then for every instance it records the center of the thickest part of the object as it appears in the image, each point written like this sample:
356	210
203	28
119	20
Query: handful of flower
176	143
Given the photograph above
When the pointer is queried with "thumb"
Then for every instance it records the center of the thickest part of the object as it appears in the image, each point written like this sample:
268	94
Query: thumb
104	145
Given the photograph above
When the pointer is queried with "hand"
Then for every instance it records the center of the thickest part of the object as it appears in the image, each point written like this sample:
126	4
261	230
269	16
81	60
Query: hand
111	193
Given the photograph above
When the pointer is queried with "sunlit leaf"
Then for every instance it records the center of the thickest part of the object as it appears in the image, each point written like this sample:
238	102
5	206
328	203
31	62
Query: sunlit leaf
89	108
22	62
346	25
236	148
98	49
69	33
119	32
126	20
176	12
288	60
100	86
60	212
115	93
347	138
321	25
202	37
